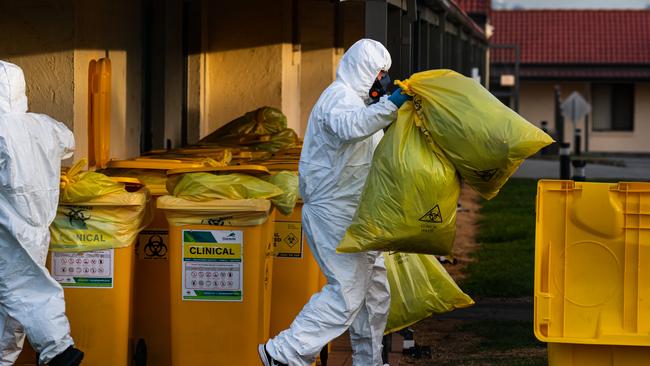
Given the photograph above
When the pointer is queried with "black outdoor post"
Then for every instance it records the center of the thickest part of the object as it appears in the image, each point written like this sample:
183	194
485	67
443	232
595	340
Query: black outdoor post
565	160
577	142
559	119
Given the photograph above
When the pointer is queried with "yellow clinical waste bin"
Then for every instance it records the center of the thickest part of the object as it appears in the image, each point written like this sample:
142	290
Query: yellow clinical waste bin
92	257
296	275
592	266
220	279
151	305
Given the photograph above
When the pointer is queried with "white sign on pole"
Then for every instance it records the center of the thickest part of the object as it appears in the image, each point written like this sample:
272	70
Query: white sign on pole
575	107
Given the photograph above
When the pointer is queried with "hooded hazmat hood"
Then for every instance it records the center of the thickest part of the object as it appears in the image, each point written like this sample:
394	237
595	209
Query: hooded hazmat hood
361	64
12	89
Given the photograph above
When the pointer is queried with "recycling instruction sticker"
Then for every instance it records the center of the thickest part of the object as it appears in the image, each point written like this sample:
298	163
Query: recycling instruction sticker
84	270
287	239
152	244
213	265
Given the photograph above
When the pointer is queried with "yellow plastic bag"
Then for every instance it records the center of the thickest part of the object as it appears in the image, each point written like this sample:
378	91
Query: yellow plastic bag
81	186
288	182
485	140
262	129
251	212
419	287
206	186
409	201
110	221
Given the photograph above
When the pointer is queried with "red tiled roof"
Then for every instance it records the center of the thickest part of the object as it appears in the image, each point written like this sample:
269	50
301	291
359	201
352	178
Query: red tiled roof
573	36
475	6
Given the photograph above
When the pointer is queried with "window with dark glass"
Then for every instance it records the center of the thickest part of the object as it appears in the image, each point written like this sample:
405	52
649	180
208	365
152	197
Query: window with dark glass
612	107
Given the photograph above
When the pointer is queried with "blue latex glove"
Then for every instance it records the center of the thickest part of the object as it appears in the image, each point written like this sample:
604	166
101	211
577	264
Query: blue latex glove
398	98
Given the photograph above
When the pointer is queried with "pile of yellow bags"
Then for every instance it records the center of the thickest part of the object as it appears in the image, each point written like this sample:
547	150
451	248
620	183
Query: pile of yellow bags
452	127
263	129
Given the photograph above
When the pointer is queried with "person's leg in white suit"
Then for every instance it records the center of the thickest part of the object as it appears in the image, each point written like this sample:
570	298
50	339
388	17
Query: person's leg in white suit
356	297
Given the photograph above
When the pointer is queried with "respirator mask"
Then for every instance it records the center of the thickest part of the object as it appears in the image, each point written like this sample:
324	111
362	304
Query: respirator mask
379	87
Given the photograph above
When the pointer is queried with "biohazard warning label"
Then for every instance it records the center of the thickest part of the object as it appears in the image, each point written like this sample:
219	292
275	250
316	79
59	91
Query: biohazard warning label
152	244
84	270
433	216
287	239
486	175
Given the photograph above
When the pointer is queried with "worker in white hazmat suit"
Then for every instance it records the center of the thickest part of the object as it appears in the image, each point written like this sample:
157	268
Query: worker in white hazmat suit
343	130
31	301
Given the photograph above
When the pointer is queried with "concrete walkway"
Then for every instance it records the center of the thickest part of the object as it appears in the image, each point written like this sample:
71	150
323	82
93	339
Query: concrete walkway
637	169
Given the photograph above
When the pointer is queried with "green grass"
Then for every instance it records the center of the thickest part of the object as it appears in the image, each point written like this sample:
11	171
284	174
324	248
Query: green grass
504	265
503	335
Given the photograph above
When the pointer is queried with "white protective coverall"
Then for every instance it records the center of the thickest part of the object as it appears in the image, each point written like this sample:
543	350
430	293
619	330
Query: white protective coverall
341	136
31	149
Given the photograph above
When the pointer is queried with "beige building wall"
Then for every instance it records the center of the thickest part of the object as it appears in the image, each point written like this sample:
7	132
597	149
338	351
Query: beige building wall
249	61
317	31
537	103
54	41
39	37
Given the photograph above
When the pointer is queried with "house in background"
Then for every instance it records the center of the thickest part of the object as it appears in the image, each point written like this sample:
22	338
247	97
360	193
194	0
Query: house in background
602	54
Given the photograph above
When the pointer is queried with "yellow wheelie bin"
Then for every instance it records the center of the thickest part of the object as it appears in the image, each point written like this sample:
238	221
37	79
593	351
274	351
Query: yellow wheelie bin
592	267
151	308
220	279
221	263
92	257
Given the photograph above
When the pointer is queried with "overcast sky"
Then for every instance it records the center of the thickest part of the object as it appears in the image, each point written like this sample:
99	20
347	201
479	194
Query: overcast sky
572	4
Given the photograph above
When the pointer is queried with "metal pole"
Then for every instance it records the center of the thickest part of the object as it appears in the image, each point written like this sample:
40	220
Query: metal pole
579	170
559	119
565	160
544	125
587	133
517	61
577	142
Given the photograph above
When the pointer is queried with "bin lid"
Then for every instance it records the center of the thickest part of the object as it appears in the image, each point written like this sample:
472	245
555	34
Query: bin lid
244	169
281	165
171	203
155	164
130	184
591	254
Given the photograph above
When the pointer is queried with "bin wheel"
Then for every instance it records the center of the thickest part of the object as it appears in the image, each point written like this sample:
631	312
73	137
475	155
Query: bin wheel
140	356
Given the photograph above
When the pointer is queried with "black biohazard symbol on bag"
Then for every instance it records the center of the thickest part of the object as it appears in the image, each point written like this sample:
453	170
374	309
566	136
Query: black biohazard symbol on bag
77	216
433	215
291	240
486	175
155	247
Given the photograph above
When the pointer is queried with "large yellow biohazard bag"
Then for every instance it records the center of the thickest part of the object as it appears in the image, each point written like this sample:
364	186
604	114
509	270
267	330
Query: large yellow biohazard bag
419	287
409	201
207	186
80	186
484	139
97	213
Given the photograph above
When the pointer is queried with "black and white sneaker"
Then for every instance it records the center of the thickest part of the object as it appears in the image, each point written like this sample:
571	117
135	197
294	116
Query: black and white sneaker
266	358
70	357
